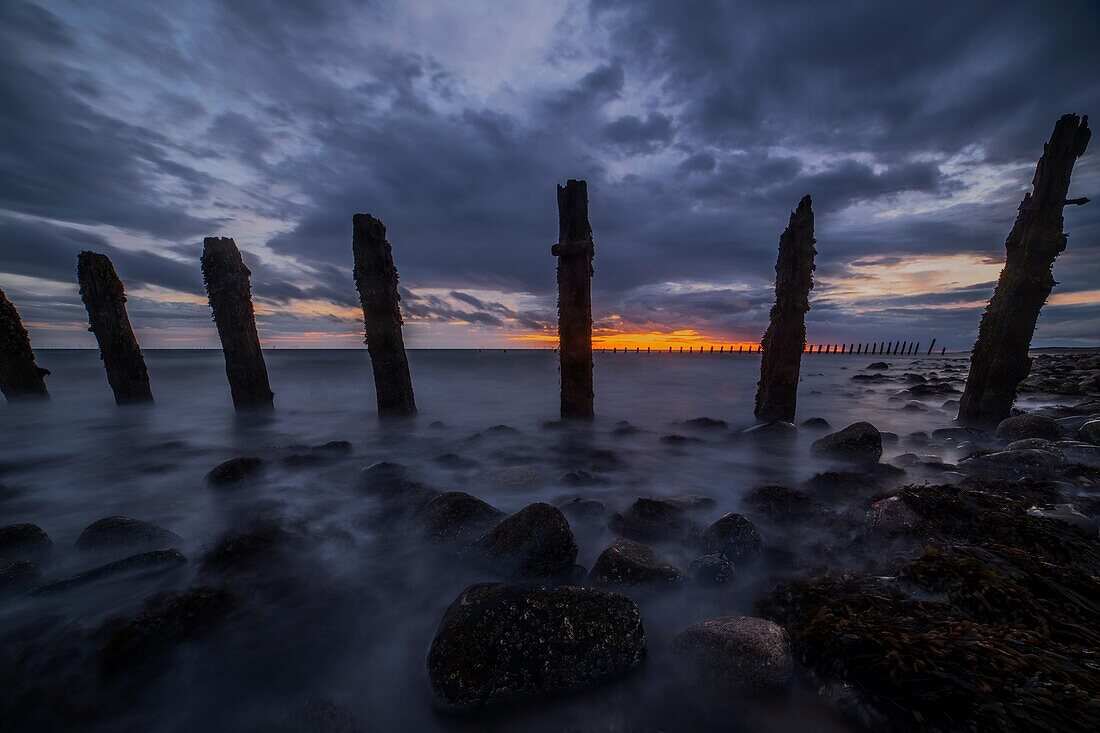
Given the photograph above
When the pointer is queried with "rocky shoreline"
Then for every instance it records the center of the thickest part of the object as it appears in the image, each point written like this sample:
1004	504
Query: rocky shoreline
940	594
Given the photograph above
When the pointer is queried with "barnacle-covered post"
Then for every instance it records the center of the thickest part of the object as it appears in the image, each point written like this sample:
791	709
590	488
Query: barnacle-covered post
20	377
230	292
575	251
785	339
999	361
105	300
376	280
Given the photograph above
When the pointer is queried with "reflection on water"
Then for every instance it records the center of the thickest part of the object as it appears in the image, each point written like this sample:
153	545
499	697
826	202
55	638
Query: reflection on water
360	632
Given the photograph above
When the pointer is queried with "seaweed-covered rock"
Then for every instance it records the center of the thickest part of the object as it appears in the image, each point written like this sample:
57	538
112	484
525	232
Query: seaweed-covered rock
24	541
1089	432
726	654
455	516
1028	426
734	536
892	515
629	563
1014	464
712	570
654	520
783	504
859	442
501	642
534	543
113	533
235	471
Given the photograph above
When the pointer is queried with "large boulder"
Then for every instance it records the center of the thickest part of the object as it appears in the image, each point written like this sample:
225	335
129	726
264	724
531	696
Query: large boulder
114	533
1013	465
712	570
534	543
726	654
629	563
24	541
455	516
500	642
860	442
1028	426
734	536
1089	432
654	520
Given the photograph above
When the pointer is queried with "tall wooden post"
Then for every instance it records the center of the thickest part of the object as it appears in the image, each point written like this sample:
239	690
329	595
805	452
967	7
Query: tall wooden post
575	251
376	280
999	361
931	346
785	339
20	377
230	293
105	300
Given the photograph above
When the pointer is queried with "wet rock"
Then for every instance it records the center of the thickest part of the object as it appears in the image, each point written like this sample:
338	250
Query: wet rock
235	471
455	516
1083	453
501	430
260	548
712	570
888	437
705	423
1028	426
817	423
333	448
1089	432
455	461
878	366
783	504
141	564
677	439
771	429
534	543
113	533
393	484
853	483
918	438
859	442
578	478
583	508
728	654
892	516
18	576
504	642
691	502
1034	443
139	646
1014	464
1067	514
734	536
629	563
653	520
24	541
624	428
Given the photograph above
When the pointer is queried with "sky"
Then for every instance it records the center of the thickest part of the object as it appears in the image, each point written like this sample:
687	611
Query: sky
135	129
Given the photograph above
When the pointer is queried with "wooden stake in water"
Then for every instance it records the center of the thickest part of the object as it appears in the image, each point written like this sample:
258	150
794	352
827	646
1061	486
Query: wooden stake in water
575	251
229	290
376	281
20	377
105	300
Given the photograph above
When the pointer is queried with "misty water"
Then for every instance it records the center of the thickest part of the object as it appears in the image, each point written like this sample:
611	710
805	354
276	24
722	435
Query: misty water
364	598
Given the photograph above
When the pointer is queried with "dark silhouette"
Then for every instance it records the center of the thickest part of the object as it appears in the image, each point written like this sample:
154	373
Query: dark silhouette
20	377
575	251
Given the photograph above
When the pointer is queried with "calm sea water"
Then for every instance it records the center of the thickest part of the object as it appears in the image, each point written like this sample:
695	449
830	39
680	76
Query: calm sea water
379	599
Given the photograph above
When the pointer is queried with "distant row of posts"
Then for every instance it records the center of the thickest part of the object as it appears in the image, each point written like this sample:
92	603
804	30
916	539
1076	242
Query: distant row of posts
999	361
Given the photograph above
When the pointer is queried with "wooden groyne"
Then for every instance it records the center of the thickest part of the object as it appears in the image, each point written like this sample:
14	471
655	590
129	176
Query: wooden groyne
20	377
575	251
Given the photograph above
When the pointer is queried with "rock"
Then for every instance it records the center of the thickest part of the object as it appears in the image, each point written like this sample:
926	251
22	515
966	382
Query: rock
892	516
860	442
333	448
705	423
1028	426
455	461
624	428
677	439
392	483
817	423
878	366
783	504
502	642
1089	432
629	563
712	570
113	533
691	502
775	428
1083	453
888	437
244	552
729	654
455	516
18	576
24	542
143	563
234	471
578	478
1034	443
1014	464
1067	514
734	536
511	477
535	543
653	520
582	507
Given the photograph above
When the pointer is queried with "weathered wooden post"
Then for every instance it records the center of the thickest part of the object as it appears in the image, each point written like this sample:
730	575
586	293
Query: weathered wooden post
105	300
999	361
575	251
20	377
230	293
930	347
943	351
785	338
376	281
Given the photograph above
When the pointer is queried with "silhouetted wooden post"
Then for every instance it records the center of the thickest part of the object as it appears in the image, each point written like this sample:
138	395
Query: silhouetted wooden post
230	293
376	280
575	251
999	361
20	377
105	300
785	338
943	351
930	347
